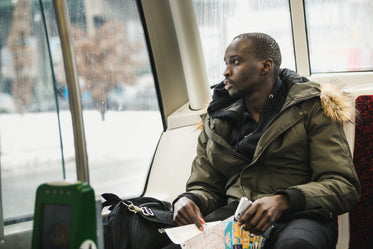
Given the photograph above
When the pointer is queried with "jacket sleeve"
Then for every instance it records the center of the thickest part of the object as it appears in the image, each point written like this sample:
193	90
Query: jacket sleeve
334	183
206	183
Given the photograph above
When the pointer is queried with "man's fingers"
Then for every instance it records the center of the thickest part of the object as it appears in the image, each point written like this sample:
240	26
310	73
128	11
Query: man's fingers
262	214
180	220
258	228
248	215
200	216
187	212
198	220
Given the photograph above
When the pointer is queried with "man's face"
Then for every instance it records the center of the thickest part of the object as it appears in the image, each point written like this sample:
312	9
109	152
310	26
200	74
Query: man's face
242	74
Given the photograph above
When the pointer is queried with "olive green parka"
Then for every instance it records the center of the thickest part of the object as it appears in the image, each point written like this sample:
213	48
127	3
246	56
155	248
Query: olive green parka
304	148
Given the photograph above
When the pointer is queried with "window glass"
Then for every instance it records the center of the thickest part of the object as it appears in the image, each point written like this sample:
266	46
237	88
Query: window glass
30	148
220	21
122	120
121	115
340	34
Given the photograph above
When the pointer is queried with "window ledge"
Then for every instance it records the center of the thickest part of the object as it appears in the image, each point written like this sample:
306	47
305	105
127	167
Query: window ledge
184	116
18	234
348	80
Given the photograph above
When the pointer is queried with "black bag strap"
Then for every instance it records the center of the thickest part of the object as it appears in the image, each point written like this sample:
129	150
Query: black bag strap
149	208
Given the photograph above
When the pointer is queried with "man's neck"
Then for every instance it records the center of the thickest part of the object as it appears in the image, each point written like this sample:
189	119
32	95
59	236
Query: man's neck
255	101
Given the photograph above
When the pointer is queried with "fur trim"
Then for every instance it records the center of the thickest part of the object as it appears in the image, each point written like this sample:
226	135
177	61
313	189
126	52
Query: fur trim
337	105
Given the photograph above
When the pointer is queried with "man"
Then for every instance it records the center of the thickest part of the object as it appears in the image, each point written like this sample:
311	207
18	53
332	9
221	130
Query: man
276	138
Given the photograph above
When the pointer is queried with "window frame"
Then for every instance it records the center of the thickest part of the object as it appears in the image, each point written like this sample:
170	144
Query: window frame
301	53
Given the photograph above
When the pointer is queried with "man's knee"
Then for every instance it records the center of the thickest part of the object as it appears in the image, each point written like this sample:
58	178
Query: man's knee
303	233
295	243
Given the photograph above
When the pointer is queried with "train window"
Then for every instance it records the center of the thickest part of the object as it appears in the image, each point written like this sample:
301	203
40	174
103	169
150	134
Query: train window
220	21
121	115
30	148
337	41
122	119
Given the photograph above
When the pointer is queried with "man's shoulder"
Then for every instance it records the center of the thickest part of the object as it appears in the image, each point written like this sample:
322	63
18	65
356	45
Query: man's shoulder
335	103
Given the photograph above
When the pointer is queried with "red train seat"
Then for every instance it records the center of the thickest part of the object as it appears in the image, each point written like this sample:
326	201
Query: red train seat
361	217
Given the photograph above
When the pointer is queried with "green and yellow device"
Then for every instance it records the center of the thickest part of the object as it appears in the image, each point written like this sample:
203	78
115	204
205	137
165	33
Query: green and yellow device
65	217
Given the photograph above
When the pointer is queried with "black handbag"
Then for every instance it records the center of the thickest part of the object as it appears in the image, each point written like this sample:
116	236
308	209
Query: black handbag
136	223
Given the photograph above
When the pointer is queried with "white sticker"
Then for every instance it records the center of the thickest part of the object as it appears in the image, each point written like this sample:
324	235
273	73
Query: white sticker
88	244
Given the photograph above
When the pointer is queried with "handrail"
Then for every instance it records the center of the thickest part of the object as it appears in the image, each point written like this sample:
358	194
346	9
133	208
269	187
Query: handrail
299	28
63	22
193	62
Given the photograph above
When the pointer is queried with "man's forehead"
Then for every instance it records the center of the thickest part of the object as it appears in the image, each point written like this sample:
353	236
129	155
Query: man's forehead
239	46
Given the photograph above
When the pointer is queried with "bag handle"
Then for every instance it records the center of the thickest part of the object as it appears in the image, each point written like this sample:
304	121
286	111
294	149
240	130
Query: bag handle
133	208
112	199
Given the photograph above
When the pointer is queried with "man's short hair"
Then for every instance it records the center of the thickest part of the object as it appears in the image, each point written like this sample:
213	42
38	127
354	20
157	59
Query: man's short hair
265	48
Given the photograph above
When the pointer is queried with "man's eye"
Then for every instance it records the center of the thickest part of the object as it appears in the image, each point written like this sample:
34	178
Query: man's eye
236	62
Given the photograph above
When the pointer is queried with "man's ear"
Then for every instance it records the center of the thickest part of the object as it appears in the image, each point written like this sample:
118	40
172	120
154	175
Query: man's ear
267	66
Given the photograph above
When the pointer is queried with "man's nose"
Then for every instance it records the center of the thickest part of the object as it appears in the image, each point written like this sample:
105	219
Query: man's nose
227	71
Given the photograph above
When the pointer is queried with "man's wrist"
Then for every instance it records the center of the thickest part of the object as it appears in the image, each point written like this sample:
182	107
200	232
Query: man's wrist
297	201
284	201
189	196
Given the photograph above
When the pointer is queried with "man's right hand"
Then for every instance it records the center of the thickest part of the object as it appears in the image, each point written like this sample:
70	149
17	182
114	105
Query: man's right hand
187	212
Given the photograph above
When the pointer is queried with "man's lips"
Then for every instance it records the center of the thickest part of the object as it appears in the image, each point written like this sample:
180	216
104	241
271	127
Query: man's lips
227	84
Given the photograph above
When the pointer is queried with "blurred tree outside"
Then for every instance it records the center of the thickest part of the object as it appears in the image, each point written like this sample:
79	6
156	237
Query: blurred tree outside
104	61
18	44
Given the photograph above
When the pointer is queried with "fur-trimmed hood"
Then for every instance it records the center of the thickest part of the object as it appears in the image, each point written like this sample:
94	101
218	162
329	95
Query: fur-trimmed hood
337	104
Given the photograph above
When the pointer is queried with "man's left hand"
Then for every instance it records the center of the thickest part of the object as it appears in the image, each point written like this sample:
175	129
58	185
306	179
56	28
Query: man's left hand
263	213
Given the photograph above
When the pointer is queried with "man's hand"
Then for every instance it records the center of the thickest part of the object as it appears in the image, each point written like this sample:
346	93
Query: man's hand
187	212
263	213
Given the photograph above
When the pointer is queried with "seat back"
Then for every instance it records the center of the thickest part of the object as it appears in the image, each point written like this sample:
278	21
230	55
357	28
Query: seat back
361	217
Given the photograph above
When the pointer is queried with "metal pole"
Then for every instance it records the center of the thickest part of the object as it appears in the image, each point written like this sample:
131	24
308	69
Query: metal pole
299	28
191	53
63	22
